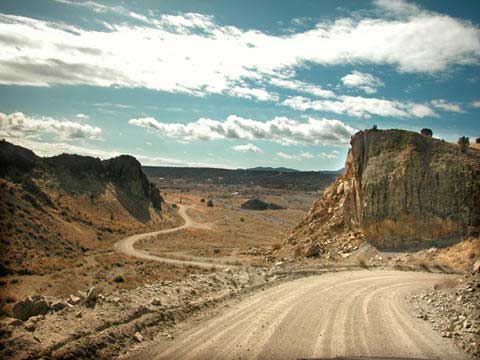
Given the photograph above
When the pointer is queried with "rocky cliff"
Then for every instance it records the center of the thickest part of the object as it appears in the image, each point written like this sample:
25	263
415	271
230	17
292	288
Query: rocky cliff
54	209
400	189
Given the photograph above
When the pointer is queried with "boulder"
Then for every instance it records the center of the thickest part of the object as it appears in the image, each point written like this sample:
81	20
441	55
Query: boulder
312	249
31	306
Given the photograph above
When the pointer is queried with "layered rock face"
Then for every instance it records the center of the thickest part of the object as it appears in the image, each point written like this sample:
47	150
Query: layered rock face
400	190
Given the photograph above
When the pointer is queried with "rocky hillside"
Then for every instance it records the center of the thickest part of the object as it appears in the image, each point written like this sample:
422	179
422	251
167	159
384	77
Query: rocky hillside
56	209
400	189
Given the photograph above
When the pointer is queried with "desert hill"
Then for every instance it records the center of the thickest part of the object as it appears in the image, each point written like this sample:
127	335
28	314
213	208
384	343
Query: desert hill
400	190
264	177
55	209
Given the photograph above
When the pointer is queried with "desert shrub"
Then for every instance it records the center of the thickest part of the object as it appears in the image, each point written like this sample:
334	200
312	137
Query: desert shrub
202	200
477	140
118	279
463	142
174	206
242	219
426	132
276	247
375	127
210	203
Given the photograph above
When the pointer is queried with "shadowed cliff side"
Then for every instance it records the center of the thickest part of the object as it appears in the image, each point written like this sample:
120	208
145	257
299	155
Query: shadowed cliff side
400	190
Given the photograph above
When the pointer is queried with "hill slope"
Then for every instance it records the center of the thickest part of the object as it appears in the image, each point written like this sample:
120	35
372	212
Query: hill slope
400	190
55	209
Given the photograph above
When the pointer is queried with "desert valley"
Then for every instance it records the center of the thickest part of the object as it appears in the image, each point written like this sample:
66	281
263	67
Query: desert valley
218	179
74	285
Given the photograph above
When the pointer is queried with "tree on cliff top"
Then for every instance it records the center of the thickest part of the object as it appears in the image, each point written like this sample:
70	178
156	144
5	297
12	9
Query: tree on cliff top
426	132
463	142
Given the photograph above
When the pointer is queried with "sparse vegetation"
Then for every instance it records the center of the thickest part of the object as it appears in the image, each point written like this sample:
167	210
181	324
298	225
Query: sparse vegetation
464	142
210	203
426	132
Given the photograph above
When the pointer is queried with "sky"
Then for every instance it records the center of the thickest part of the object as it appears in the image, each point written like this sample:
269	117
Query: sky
234	84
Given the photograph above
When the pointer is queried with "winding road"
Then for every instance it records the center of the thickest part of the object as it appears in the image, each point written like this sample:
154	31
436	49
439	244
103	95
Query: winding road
352	314
127	245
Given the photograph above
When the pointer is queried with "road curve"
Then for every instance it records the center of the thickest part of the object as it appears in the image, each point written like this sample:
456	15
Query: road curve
353	314
127	245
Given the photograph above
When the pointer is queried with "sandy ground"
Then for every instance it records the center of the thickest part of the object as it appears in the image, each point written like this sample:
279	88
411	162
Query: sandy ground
359	313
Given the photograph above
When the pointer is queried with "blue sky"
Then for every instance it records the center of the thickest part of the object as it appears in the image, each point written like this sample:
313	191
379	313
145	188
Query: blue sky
234	83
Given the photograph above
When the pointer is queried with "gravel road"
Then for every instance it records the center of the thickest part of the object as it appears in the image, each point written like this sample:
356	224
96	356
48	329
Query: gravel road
127	245
354	313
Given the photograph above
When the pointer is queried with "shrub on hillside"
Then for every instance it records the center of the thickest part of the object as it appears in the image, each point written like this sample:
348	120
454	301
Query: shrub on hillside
463	142
210	203
426	132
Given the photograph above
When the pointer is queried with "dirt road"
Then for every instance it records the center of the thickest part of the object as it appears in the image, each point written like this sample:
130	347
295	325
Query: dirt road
127	245
357	313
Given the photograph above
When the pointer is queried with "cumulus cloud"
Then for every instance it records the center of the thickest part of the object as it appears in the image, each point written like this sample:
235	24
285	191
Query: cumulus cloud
247	148
476	103
82	116
302	87
447	106
191	53
19	125
329	156
361	106
363	81
281	130
300	156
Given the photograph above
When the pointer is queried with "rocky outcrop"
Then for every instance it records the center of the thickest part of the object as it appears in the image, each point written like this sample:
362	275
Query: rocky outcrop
257	204
78	173
400	189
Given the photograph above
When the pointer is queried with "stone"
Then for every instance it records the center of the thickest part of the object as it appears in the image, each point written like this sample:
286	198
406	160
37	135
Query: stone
58	305
78	314
74	299
227	271
29	307
138	337
476	267
312	249
156	302
92	295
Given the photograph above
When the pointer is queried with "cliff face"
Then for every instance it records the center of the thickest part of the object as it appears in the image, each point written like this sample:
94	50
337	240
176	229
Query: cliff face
400	189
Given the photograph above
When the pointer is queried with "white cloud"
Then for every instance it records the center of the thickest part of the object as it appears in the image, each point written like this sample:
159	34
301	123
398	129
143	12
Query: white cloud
300	156
398	7
248	93
280	129
19	125
302	87
363	81
192	53
447	106
56	148
247	148
361	107
82	116
476	103
328	156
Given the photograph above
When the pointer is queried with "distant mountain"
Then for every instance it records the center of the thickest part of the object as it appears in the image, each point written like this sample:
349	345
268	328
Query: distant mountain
334	172
278	169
